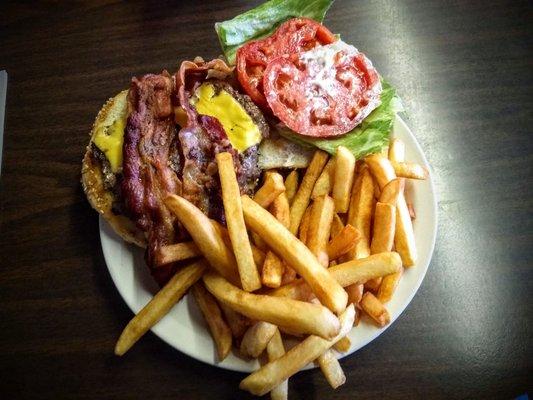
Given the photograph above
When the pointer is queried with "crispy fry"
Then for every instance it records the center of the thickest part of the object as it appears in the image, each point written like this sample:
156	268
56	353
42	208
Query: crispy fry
301	199
272	271
238	323
355	292
272	188
291	185
344	174
319	228
374	309
296	254
360	212
160	305
388	286
272	374
176	252
295	315
231	199
336	226
343	242
381	169
348	273
256	338
396	150
259	256
281	211
391	191
304	226
276	350
324	183
206	236
332	370
409	170
343	345
373	284
384	226
220	331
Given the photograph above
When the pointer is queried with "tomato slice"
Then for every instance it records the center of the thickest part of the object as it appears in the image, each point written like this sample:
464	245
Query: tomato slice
293	36
323	92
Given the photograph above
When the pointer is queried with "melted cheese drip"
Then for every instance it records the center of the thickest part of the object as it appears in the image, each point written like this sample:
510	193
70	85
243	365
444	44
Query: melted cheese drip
241	130
109	139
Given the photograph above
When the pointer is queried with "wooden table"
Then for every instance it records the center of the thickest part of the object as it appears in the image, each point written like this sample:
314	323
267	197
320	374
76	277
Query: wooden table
464	71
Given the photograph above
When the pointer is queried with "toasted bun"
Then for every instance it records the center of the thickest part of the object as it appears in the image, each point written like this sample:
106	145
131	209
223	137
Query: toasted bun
278	152
92	181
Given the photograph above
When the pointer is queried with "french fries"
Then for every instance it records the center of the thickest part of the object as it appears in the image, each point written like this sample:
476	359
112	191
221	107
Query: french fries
384	226
348	273
272	374
295	315
220	331
291	185
238	323
391	191
206	236
355	291
304	226
249	276
360	212
256	338
343	242
319	228
272	188
301	199
396	150
344	174
324	183
374	309
332	370
381	169
388	286
336	226
409	170
276	350
176	252
296	254
343	345
159	306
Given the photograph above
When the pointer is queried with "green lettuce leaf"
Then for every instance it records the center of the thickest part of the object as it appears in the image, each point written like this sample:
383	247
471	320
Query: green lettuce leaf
368	137
263	20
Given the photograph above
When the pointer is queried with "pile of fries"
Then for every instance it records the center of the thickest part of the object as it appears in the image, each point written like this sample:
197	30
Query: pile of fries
301	259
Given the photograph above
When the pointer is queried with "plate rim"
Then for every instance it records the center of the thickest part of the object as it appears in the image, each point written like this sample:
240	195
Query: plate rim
103	227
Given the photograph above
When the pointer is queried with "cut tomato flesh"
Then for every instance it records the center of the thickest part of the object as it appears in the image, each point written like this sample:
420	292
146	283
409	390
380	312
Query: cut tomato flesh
323	92
293	36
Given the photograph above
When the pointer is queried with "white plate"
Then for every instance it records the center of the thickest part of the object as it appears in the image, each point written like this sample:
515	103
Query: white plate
184	329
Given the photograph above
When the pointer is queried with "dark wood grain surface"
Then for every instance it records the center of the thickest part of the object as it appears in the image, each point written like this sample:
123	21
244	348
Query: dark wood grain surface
464	70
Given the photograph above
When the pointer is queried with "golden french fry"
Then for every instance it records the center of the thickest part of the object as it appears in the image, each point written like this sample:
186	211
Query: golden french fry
231	199
176	252
409	170
384	227
343	242
281	211
272	374
301	199
336	226
296	254
160	305
344	174
332	370
237	323
220	331
319	228
289	275
374	309
304	226
291	185
206	236
391	191
355	292
396	150
388	286
343	345
373	284
259	256
324	183
295	315
276	350
348	273
381	169
272	271
256	338
272	188
360	212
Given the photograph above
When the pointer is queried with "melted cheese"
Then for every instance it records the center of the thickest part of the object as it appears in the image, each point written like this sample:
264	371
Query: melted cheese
241	130
109	139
